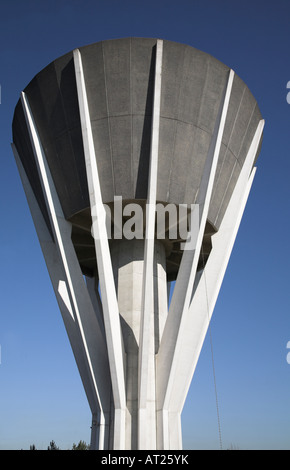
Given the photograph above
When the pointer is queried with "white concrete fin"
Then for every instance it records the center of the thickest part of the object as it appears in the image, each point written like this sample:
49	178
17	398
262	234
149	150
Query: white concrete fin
146	353
107	285
62	290
171	343
55	269
94	351
206	293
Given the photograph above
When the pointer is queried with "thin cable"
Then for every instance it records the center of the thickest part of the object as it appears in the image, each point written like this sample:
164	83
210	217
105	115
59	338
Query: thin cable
215	389
212	358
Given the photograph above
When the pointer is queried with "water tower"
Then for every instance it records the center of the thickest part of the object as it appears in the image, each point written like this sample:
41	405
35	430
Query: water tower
104	130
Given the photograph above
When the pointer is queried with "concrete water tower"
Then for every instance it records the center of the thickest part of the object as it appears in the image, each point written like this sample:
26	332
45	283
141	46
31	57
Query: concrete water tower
100	133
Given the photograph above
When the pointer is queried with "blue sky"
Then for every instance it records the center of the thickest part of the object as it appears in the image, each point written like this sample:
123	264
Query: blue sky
41	395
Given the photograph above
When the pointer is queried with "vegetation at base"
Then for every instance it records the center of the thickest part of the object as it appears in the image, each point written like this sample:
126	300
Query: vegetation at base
52	446
81	446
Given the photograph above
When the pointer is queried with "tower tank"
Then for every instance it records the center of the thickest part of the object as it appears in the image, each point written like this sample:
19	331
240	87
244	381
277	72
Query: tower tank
125	124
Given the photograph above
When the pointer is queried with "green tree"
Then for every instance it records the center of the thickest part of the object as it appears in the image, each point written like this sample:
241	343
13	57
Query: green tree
52	446
81	446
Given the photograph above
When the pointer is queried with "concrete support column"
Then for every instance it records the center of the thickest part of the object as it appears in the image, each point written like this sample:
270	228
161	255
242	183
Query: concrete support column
128	260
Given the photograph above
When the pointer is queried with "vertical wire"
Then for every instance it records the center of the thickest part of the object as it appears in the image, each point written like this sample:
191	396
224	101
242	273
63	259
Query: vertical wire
212	356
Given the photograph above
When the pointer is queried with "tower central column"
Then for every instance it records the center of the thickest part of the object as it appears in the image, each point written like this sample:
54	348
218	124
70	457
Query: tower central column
128	263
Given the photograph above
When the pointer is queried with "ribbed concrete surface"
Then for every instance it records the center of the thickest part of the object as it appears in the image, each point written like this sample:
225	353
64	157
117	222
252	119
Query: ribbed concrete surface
119	76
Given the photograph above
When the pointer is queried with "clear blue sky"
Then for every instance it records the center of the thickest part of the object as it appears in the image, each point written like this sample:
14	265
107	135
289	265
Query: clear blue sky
41	395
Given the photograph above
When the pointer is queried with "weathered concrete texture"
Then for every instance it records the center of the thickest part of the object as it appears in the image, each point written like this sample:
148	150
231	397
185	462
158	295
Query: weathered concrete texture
119	76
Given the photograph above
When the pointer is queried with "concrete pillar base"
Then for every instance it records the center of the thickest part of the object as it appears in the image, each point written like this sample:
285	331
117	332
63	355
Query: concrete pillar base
128	266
